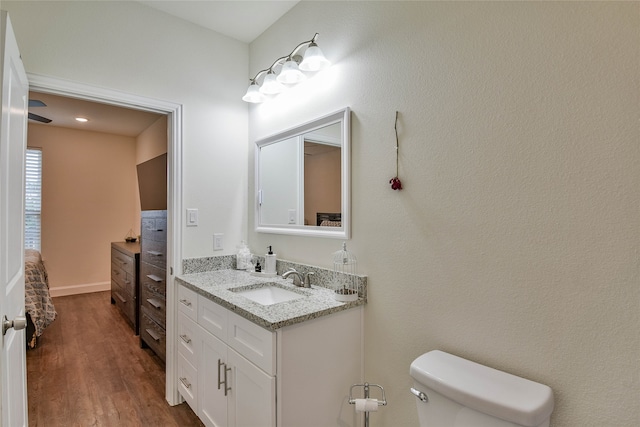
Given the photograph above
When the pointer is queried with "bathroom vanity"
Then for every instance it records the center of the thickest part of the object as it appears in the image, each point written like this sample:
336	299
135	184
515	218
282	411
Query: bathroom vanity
244	360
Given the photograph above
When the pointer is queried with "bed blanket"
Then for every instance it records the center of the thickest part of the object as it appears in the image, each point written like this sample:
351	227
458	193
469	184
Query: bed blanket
37	301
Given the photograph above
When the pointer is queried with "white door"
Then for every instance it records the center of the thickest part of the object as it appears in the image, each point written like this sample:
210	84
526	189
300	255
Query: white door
13	133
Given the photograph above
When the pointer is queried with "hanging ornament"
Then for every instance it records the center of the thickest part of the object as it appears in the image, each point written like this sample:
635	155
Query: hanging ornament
395	182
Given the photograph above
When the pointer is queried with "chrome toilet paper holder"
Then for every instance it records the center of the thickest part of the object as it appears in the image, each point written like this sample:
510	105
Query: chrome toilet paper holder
367	395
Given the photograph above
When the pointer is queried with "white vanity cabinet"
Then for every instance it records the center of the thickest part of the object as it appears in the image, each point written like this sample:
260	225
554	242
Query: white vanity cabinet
220	385
298	375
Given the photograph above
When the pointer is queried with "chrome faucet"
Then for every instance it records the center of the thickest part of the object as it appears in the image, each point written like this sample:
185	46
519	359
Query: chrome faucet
298	279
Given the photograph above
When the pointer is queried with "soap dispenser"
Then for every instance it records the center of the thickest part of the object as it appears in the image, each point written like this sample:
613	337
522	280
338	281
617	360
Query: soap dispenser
270	262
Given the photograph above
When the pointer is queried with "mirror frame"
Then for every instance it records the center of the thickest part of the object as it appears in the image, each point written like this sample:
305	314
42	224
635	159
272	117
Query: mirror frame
341	116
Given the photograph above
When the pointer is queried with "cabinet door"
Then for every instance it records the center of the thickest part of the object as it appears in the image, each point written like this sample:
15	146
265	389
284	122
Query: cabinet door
252	399
212	402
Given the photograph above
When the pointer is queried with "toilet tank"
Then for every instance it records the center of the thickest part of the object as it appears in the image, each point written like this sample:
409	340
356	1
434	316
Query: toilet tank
461	393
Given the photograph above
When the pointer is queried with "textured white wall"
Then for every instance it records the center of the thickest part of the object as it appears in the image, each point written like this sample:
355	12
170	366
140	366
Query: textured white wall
132	48
515	242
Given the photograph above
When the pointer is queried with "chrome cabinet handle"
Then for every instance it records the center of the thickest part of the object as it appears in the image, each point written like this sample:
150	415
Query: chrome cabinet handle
185	338
186	302
154	303
420	395
155	278
155	229
153	335
186	383
154	253
226	370
120	297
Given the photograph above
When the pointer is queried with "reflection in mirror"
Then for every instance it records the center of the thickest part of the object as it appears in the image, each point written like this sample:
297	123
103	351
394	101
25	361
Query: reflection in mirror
302	179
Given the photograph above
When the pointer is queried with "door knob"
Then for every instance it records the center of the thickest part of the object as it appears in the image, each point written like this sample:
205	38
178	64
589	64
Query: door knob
20	322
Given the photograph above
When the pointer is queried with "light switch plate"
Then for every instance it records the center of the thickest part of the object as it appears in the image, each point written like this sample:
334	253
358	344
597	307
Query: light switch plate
192	217
292	216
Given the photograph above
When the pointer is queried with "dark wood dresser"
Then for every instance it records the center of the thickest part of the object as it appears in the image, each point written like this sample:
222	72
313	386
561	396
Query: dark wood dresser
153	284
125	280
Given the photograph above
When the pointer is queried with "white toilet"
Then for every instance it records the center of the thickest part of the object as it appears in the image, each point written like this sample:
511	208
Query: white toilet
455	392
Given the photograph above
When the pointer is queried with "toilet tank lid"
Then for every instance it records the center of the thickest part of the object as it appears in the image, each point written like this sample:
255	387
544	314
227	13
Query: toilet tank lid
484	389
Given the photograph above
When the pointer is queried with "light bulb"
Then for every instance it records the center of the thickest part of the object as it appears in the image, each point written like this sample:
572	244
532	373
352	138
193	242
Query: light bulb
290	74
270	85
314	59
253	94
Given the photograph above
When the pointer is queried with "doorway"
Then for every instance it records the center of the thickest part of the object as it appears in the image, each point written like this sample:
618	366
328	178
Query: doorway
173	111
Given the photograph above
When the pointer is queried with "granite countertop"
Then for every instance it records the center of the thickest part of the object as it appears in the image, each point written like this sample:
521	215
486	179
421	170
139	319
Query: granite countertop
217	286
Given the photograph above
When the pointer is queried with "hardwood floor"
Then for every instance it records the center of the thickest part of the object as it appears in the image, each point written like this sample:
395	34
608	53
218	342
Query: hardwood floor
89	370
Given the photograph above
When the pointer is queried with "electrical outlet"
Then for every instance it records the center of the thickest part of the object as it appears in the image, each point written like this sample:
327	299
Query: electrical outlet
217	241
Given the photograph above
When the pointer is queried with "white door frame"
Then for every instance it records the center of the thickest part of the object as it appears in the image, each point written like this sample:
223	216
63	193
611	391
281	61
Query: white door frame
61	87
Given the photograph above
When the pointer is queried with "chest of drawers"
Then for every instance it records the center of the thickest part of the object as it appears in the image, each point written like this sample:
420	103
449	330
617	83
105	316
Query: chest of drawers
153	281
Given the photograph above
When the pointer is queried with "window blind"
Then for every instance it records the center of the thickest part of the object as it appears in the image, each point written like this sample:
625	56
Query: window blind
33	198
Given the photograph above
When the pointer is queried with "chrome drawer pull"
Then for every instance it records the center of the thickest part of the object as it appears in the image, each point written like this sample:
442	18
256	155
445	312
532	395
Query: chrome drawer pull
155	229
127	282
121	298
184	381
116	272
186	302
155	278
155	253
153	335
420	395
185	338
154	303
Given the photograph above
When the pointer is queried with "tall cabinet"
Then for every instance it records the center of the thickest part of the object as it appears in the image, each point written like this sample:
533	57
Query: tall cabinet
153	281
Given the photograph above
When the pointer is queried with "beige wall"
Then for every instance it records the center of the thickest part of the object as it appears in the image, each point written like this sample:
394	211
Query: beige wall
515	240
322	192
151	143
89	199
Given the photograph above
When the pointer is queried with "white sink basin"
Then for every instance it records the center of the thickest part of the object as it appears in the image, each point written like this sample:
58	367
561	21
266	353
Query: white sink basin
269	294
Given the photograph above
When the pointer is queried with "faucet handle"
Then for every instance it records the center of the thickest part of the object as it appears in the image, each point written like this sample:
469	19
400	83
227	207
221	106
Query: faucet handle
307	279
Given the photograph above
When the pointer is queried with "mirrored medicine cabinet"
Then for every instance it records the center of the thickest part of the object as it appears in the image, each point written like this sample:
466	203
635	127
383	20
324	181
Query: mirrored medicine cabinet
303	179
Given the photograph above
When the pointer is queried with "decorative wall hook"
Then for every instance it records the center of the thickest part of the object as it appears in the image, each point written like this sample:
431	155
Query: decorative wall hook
395	182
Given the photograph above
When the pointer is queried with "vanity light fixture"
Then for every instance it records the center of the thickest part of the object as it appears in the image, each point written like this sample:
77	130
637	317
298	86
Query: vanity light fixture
290	71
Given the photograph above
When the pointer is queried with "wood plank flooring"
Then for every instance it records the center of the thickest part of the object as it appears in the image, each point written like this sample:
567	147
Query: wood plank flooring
89	370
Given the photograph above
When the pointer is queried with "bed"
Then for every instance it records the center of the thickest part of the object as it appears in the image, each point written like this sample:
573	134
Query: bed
329	219
37	301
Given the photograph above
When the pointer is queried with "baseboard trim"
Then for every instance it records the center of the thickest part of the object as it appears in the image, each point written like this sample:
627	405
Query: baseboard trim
63	291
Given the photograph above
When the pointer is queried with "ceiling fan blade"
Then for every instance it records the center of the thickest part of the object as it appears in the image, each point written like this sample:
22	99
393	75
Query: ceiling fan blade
36	103
38	118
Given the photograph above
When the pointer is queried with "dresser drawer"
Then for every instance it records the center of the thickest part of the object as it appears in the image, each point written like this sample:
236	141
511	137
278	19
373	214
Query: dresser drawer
154	253
154	278
188	338
188	303
154	229
154	303
188	382
125	262
124	301
125	280
153	334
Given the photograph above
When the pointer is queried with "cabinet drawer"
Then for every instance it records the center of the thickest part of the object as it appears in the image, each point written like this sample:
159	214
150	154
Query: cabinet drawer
212	317
153	334
155	304
188	338
154	253
188	303
125	262
124	301
188	382
154	228
123	278
253	342
154	278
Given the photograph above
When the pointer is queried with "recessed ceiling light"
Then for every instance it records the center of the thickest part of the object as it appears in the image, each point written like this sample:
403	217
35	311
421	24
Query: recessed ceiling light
81	119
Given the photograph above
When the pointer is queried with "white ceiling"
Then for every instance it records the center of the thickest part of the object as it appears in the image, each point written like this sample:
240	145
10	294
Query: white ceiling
241	20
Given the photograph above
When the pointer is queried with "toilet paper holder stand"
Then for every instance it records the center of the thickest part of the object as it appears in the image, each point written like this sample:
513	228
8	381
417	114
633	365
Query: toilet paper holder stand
367	395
